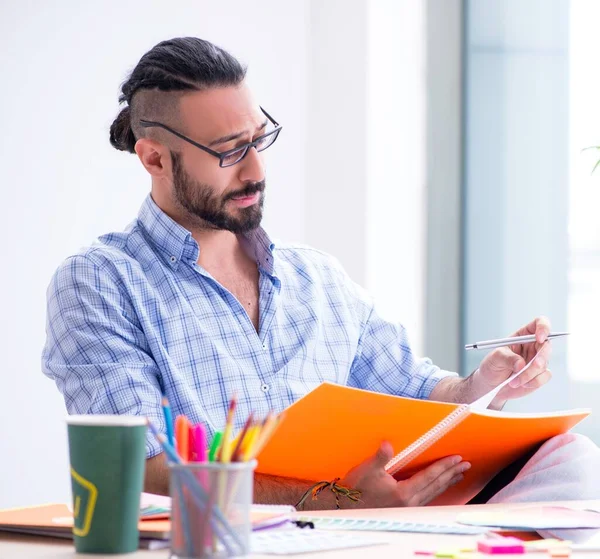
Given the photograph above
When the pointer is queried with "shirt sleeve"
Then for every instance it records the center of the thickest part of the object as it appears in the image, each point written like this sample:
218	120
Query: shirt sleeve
95	349
386	363
384	360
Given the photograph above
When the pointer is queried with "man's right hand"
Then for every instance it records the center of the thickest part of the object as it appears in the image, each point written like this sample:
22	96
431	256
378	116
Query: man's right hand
380	489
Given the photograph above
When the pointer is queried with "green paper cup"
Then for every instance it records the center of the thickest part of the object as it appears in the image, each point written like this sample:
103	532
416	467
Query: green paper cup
108	456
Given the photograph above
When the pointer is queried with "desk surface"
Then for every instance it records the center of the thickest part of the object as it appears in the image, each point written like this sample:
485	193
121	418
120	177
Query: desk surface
401	545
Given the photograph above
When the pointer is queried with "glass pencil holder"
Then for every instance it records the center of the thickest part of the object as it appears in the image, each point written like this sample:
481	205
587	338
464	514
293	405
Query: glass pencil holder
210	509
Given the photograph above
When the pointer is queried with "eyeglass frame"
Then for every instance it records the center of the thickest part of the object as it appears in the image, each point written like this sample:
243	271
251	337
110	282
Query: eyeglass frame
221	155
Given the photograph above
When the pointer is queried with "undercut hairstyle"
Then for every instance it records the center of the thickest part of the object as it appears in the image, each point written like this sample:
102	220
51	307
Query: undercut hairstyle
166	72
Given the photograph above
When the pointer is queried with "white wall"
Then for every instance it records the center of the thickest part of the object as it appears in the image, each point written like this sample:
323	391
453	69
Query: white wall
337	141
63	184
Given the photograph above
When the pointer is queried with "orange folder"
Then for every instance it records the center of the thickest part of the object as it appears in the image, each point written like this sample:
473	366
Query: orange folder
334	428
57	520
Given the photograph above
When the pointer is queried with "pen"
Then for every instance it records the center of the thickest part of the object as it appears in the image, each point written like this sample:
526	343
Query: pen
214	446
182	437
168	420
169	450
502	342
198	494
199	443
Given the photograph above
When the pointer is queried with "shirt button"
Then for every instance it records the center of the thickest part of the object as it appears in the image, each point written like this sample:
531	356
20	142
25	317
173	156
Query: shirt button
264	387
264	346
173	259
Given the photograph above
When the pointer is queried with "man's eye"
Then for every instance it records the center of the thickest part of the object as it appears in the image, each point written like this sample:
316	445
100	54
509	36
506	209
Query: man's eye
233	157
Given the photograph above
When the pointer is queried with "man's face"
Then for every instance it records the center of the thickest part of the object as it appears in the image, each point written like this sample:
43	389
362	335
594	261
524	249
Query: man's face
229	198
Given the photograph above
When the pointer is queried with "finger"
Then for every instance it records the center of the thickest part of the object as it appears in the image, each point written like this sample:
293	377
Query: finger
528	387
538	381
432	481
538	366
384	454
456	479
518	364
544	350
530	350
439	485
427	476
503	363
542	329
527	329
541	323
507	360
441	489
533	372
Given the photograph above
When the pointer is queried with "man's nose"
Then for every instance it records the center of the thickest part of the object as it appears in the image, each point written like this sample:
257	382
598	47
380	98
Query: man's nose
253	168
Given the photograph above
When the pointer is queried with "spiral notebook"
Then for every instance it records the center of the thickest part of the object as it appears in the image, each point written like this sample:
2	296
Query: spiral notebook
334	428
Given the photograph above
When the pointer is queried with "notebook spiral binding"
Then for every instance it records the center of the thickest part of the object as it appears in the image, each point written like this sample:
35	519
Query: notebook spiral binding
425	441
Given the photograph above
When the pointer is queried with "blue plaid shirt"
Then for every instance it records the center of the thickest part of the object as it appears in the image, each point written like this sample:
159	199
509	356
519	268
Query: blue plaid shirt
134	317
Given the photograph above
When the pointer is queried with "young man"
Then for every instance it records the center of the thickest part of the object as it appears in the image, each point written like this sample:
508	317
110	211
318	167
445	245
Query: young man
194	302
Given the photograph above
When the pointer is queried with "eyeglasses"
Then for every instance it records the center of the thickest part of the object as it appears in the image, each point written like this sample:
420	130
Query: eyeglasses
232	156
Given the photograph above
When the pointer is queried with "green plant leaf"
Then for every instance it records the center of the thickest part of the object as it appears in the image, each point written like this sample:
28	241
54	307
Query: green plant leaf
597	148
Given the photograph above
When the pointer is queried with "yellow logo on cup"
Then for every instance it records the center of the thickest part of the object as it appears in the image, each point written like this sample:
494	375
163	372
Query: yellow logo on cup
84	491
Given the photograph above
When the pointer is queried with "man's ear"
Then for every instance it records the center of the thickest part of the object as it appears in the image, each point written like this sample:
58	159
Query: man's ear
154	156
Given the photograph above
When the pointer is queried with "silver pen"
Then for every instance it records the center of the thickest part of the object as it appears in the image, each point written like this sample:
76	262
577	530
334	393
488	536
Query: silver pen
502	342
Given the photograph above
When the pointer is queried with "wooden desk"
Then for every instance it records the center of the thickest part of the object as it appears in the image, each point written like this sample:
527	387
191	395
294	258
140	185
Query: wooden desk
401	546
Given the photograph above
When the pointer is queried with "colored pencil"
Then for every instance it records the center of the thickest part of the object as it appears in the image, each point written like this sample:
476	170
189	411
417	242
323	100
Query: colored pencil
198	494
226	444
251	441
237	451
168	420
270	425
174	457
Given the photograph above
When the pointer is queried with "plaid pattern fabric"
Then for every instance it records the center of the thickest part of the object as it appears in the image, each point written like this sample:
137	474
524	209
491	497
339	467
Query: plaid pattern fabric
134	317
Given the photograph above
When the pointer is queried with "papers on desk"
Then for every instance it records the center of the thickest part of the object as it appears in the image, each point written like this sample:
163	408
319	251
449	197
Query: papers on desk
530	518
57	521
383	525
154	507
296	540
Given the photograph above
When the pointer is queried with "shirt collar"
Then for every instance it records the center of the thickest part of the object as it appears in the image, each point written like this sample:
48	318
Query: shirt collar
176	243
259	245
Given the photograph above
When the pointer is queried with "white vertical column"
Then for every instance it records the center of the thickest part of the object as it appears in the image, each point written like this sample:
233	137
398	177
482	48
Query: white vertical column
444	182
336	135
396	127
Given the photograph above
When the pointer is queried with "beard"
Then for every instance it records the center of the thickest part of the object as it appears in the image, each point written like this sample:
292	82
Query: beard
201	202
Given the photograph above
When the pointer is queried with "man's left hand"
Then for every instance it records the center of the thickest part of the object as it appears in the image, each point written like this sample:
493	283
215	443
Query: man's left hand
503	362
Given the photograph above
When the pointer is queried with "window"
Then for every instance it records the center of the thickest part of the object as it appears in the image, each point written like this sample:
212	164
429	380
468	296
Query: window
532	232
584	192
